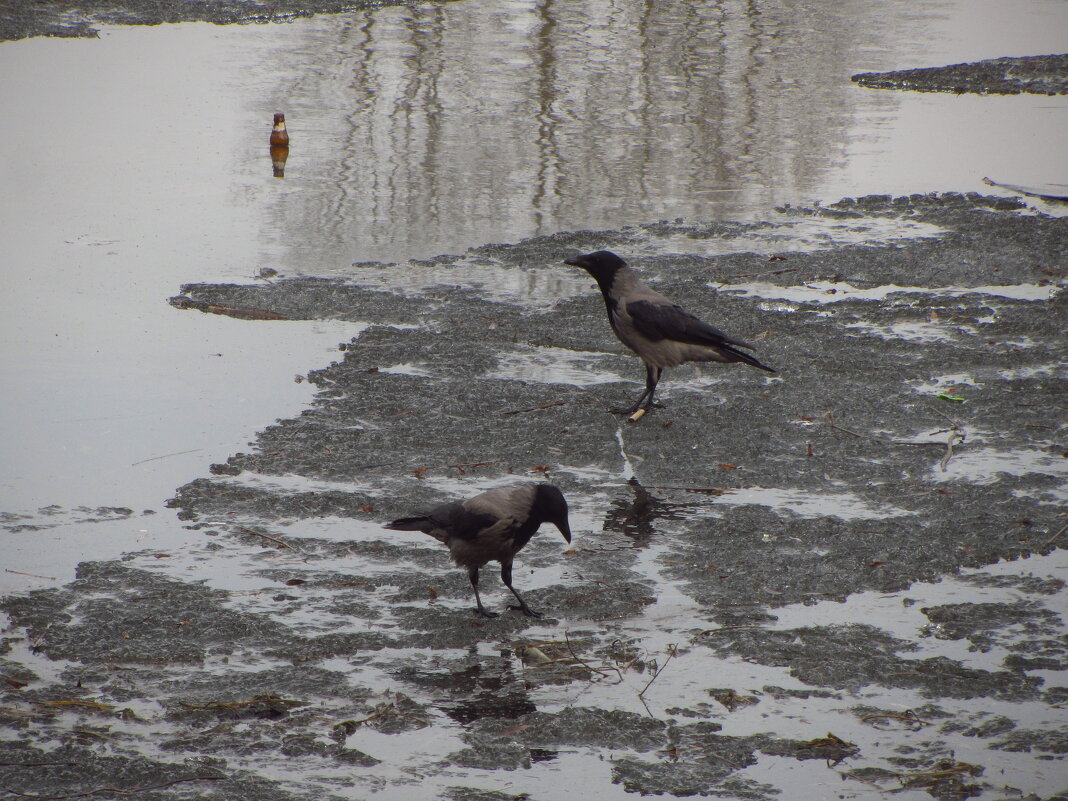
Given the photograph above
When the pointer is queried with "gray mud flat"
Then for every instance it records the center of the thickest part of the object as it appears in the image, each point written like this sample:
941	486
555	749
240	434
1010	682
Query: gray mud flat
1037	75
832	581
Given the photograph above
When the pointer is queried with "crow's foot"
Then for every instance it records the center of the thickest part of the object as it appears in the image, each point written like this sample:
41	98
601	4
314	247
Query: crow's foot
526	610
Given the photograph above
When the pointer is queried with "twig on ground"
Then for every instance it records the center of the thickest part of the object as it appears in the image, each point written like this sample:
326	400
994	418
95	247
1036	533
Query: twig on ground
585	664
673	651
1053	539
388	709
537	408
165	456
31	575
283	543
956	435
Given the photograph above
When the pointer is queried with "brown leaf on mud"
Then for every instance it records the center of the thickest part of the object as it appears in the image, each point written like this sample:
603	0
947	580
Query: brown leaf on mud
419	473
364	507
727	466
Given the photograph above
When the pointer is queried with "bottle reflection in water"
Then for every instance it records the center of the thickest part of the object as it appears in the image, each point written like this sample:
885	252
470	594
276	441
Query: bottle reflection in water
279	146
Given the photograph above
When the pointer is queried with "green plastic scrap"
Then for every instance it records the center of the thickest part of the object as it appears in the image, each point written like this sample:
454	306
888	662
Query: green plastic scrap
947	397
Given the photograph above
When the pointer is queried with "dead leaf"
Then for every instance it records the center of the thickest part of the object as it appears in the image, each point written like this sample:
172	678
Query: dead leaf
727	466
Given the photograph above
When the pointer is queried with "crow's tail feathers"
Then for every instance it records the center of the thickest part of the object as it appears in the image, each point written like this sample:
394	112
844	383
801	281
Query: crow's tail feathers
740	356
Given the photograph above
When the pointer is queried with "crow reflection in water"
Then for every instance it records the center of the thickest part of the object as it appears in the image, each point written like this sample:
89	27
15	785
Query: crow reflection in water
635	518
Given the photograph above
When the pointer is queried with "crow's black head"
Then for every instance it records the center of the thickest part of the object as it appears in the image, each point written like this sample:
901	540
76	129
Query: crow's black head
602	265
550	506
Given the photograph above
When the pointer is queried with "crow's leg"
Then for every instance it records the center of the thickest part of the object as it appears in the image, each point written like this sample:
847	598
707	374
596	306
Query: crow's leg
472	573
506	577
652	378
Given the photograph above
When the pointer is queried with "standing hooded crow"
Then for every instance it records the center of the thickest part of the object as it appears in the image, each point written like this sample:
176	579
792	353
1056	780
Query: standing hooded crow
661	333
493	526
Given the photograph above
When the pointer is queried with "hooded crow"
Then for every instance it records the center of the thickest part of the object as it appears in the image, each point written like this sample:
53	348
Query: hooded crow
661	333
493	526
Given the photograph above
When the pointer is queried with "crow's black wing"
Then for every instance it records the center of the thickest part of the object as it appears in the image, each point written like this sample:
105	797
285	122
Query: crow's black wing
658	321
460	521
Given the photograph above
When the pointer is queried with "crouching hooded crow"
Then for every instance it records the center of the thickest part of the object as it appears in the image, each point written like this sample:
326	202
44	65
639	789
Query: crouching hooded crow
493	526
661	333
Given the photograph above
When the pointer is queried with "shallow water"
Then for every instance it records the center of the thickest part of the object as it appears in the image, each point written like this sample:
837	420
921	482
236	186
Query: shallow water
122	184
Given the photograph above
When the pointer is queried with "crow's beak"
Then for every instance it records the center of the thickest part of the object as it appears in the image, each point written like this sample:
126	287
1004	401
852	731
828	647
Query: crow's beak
565	529
575	261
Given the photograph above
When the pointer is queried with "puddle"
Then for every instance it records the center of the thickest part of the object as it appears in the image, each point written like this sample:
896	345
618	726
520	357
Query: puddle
944	383
837	291
985	465
1045	370
493	281
549	365
806	236
419	370
127	437
912	331
809	504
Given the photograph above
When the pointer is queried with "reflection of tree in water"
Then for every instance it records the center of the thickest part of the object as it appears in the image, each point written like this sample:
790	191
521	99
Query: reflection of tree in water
635	517
587	114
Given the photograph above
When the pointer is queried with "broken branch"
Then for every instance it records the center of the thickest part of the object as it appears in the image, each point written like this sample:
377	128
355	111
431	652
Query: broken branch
283	543
537	408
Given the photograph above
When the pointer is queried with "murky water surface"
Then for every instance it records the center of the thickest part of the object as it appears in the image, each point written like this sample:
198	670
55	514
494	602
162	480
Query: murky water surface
137	162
